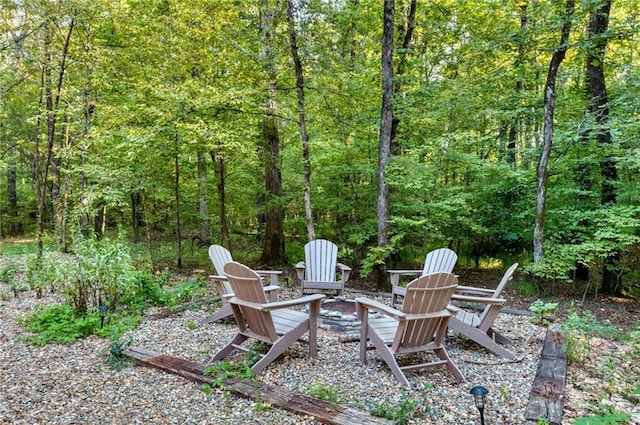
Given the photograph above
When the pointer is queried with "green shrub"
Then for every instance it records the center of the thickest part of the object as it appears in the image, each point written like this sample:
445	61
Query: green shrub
63	325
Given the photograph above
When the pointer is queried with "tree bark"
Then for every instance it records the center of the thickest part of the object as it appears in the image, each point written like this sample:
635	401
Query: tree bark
204	231
51	103
176	194
221	171
273	251
384	141
549	107
407	35
302	121
599	108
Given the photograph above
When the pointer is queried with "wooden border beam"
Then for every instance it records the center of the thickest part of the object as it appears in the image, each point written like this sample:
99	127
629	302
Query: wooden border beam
323	411
546	399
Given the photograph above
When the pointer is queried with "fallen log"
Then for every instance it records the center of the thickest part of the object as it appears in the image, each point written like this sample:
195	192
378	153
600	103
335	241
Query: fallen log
546	399
323	411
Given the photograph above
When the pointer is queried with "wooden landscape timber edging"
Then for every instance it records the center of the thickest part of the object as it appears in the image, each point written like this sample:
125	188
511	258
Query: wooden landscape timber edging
546	398
323	411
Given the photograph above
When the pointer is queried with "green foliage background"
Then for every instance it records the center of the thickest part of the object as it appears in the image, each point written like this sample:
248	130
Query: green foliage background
149	84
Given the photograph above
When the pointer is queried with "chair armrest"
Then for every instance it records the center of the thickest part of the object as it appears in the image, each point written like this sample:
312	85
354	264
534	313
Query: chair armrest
369	304
216	277
473	290
300	267
346	271
394	275
271	274
270	288
237	301
478	300
441	313
291	303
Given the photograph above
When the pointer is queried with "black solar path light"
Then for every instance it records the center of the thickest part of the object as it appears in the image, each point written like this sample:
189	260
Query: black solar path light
103	312
479	394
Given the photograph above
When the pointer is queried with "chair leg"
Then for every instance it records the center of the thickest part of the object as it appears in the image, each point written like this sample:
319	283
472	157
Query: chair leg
479	337
227	349
224	311
453	368
390	359
499	338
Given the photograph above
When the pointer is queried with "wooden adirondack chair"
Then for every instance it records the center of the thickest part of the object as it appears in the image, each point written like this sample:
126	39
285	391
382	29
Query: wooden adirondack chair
319	270
420	326
272	323
479	327
438	260
220	256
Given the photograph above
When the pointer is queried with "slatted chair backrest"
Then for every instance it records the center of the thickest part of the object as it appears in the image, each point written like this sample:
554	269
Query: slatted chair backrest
247	286
440	260
428	295
321	258
220	256
488	314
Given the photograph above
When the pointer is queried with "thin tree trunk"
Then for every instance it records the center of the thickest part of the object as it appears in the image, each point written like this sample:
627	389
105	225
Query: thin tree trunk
176	194
221	171
53	105
204	231
302	121
519	66
15	226
599	107
384	142
273	251
549	107
407	36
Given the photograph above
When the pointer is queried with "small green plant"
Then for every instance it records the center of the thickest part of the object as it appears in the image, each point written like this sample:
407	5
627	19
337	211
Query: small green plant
609	416
541	309
9	275
324	393
542	422
222	371
192	325
206	388
400	414
117	359
579	326
261	406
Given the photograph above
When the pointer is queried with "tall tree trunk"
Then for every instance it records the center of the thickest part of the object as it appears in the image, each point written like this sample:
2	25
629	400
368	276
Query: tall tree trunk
51	100
406	33
176	194
221	171
204	231
384	141
136	215
88	112
14	224
549	107
519	66
302	121
273	251
599	108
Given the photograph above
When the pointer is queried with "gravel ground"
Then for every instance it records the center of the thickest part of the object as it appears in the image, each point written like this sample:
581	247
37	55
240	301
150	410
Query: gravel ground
71	384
